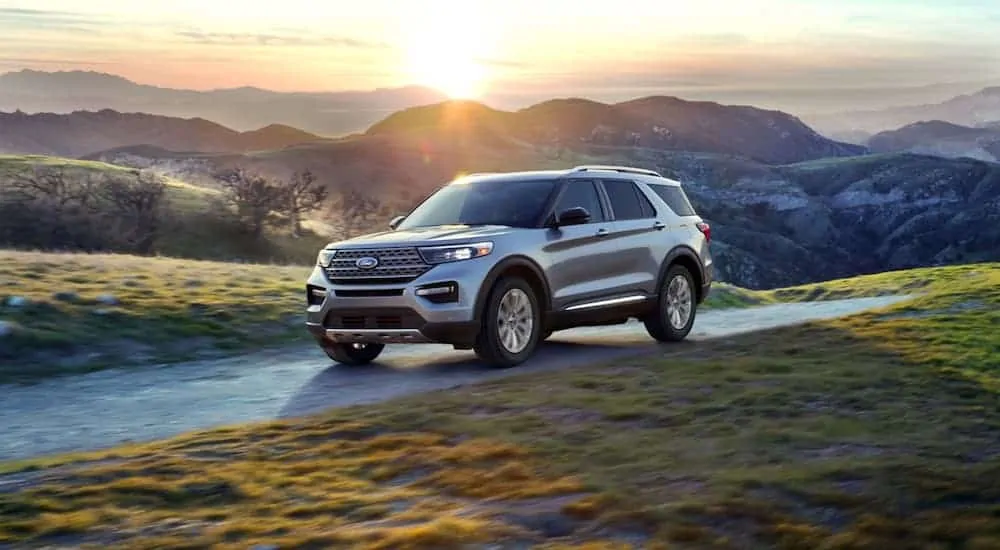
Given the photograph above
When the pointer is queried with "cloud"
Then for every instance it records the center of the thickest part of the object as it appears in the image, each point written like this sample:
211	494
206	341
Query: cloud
23	61
275	39
19	19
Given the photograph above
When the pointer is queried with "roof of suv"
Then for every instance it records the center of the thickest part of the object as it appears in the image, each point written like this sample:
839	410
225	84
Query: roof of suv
635	173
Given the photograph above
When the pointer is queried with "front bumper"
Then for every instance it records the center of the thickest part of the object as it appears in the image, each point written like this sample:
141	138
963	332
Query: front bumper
395	313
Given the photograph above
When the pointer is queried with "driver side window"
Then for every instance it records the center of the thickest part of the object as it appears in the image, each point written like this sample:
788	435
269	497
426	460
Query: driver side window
582	193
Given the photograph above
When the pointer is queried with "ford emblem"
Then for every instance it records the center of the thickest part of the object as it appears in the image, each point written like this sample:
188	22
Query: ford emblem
366	263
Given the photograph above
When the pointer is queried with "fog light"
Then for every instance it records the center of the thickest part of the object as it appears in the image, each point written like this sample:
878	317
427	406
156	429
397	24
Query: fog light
439	293
315	295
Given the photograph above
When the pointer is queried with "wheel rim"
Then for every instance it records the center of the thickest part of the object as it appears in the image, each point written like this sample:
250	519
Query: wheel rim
679	302
515	320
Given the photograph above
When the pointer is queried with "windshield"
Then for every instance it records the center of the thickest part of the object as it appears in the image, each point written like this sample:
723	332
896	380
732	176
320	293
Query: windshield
494	202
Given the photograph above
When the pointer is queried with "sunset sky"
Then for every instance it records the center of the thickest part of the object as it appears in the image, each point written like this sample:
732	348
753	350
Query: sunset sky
468	48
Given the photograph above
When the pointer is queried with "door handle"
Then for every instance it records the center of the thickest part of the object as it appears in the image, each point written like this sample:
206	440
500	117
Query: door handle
659	225
602	232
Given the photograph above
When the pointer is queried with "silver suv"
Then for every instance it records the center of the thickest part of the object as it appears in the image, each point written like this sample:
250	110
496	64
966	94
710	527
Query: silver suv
497	262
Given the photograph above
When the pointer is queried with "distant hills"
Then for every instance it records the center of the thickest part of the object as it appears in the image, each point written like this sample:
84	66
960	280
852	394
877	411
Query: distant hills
941	138
982	107
661	123
656	122
83	133
325	114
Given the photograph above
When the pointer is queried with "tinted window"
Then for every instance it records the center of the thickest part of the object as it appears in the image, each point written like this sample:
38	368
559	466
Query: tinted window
675	198
492	202
627	200
582	193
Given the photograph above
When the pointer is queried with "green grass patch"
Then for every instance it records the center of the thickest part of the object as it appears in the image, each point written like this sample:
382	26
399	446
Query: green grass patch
875	431
83	312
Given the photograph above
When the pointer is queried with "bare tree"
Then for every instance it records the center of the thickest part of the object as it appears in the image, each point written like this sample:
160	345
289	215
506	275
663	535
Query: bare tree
303	195
256	198
138	205
51	206
52	186
352	209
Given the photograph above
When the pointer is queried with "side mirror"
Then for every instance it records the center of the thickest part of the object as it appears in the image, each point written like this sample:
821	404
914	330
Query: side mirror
394	223
576	215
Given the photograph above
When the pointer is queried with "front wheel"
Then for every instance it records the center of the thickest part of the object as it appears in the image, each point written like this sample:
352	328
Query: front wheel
673	317
353	354
512	324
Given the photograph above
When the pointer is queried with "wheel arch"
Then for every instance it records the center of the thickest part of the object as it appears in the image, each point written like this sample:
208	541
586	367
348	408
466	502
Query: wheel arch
518	266
687	257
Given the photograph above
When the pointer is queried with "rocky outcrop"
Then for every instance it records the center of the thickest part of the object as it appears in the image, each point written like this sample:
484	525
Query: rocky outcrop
822	220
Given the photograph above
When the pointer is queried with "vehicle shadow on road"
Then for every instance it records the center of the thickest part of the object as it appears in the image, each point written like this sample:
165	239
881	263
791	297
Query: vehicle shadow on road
342	385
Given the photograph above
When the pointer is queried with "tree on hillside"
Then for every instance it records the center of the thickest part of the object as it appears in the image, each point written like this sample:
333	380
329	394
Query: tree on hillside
50	206
303	195
53	187
256	198
352	210
138	205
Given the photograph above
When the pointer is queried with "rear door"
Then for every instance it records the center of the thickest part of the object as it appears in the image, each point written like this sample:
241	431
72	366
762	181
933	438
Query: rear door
580	257
636	235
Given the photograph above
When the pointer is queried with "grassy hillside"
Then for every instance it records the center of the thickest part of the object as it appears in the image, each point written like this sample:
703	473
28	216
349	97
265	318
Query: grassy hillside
871	432
85	312
197	226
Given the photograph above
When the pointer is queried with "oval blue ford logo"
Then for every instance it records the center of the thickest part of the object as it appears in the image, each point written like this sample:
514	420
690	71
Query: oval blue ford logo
366	263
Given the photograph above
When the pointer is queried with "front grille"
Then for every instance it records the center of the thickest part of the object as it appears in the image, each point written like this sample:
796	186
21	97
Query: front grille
380	319
395	265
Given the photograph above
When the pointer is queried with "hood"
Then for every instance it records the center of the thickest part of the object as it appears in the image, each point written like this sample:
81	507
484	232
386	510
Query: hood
425	236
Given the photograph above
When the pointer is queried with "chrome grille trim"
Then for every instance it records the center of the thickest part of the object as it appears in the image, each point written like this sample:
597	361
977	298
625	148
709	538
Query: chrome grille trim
395	265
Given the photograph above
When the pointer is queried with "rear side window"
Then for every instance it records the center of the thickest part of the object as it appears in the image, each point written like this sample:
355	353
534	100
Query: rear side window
627	201
675	198
582	193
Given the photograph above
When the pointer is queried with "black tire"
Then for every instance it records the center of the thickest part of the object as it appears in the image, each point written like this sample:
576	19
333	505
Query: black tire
658	324
353	354
489	347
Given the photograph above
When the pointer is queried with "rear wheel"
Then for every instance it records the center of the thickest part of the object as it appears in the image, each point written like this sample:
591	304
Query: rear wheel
353	354
512	325
673	317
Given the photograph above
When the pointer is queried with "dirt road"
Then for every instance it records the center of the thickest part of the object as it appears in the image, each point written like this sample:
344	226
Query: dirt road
110	407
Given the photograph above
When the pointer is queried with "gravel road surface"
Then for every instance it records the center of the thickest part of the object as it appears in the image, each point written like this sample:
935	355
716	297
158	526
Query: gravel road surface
106	408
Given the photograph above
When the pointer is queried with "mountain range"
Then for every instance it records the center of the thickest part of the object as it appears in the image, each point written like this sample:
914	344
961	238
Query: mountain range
940	138
663	123
244	109
974	110
82	133
656	122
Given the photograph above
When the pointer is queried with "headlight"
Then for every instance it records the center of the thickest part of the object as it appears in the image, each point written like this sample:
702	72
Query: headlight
454	253
325	257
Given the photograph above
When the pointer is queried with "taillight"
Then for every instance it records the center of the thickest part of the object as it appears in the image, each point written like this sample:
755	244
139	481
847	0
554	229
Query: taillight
705	229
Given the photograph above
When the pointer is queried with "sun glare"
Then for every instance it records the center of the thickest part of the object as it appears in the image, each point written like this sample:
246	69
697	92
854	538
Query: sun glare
445	52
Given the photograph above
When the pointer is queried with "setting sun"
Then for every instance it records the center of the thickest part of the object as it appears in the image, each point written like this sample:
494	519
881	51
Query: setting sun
456	75
445	51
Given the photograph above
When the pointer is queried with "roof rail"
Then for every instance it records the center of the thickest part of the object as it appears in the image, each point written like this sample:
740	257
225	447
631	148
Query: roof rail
623	169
